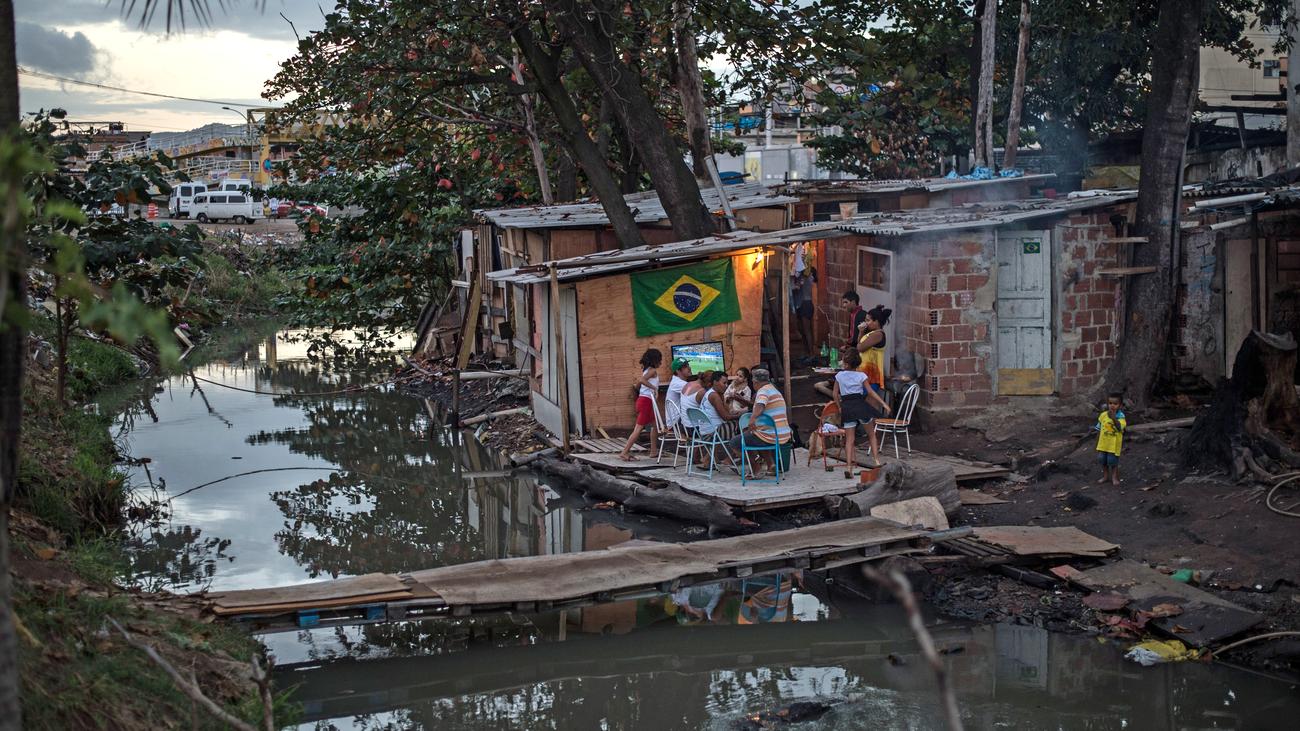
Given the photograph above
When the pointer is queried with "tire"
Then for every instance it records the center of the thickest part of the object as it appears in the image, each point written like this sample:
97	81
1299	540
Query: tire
241	220
201	218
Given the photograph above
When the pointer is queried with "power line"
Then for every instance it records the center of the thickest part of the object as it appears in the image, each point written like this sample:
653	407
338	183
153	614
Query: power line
52	77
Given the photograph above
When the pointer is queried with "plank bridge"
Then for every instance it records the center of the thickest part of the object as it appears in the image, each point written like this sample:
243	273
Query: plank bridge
632	570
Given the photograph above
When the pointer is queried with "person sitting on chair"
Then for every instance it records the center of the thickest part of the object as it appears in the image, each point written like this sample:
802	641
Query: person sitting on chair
768	400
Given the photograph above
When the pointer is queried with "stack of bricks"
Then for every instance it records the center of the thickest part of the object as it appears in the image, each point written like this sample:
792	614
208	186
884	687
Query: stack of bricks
947	319
1091	305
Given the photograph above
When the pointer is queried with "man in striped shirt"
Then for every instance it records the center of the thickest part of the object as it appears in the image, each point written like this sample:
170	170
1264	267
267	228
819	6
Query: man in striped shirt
767	400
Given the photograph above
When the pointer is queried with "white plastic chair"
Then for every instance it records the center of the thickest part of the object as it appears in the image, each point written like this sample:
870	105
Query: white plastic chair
704	435
900	424
671	429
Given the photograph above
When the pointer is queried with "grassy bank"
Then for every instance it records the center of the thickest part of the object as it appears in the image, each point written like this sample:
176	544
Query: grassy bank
66	531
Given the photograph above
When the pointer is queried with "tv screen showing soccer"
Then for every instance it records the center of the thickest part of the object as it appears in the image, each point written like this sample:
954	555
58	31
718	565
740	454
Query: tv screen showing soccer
702	356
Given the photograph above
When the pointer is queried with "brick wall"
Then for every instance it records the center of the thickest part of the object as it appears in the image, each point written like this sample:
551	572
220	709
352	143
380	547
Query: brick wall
1091	306
948	316
609	347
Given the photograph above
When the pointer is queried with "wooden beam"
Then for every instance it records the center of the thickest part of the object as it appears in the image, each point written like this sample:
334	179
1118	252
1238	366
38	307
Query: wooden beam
469	326
561	374
1126	271
785	325
1126	240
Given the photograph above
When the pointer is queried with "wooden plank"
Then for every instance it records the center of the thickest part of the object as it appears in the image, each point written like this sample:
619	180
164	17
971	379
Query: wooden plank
1026	381
1126	240
1029	540
561	373
609	461
469	328
356	586
1125	271
1162	425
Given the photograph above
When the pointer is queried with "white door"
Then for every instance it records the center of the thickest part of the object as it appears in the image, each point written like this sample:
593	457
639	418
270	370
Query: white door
1024	312
875	287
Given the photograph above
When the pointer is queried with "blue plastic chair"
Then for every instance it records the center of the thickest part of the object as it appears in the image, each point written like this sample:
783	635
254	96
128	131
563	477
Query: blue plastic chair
764	422
703	436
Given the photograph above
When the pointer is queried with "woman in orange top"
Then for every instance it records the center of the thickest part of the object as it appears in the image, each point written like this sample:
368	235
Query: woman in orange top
871	346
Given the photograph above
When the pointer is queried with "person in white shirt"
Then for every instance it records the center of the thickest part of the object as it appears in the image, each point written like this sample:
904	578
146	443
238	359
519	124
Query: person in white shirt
647	386
859	406
681	369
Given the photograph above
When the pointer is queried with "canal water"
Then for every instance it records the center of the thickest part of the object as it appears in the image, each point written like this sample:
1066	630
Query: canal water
267	490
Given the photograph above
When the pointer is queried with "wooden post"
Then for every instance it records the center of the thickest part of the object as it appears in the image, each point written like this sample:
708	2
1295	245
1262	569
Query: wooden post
1292	97
454	419
561	372
785	325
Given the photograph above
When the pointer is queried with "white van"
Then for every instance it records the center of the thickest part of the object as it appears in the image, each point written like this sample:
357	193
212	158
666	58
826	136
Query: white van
242	185
237	207
181	203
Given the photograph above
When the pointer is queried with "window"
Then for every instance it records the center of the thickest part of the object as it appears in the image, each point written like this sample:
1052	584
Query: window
238	199
1272	69
217	199
200	199
186	191
873	270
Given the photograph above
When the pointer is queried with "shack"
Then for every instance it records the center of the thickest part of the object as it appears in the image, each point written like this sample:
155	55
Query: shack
592	316
1013	298
1239	270
506	238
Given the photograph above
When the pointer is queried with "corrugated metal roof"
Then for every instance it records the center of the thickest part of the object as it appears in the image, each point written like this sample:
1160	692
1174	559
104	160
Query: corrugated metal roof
646	208
983	215
620	260
911	185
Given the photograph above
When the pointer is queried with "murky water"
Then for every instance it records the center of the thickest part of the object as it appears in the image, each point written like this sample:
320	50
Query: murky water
268	490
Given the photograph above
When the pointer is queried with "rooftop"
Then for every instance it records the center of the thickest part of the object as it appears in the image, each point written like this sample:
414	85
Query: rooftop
646	208
980	215
911	185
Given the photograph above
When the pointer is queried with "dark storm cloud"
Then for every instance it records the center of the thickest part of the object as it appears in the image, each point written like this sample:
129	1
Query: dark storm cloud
52	50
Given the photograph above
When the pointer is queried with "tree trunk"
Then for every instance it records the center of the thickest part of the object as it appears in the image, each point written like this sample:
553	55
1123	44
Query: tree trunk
574	135
984	102
901	481
566	177
1174	50
534	142
690	87
663	498
1293	96
1017	89
620	83
1254	417
13	349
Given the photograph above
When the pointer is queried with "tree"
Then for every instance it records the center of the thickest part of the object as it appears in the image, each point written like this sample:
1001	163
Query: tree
984	98
1017	89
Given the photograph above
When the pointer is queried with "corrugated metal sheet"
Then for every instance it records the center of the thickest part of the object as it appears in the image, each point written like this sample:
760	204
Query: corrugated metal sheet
987	215
621	260
911	185
646	208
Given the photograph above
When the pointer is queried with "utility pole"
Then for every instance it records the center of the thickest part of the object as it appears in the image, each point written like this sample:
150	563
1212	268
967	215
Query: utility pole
1292	96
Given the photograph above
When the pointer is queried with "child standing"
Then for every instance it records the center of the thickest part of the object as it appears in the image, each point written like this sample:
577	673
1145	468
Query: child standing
855	396
1110	438
647	394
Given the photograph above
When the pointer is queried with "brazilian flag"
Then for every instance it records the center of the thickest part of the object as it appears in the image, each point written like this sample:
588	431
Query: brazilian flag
685	298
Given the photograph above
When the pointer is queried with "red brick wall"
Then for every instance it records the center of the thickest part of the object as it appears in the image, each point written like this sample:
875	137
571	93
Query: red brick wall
1091	305
949	316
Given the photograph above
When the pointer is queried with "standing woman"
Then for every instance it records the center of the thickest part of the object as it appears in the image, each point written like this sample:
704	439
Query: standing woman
647	392
859	406
871	346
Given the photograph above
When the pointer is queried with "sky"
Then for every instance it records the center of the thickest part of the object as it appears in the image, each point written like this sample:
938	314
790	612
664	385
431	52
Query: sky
228	59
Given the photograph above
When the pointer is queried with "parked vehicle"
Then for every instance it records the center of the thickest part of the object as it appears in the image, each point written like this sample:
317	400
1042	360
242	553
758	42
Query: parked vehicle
181	203
235	184
301	208
237	207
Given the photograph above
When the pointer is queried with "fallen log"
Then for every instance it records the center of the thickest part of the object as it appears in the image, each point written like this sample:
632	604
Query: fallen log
480	375
900	481
666	499
471	421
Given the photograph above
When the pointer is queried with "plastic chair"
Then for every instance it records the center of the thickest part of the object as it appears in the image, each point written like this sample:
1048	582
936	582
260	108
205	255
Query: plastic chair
671	429
830	414
703	434
764	422
899	425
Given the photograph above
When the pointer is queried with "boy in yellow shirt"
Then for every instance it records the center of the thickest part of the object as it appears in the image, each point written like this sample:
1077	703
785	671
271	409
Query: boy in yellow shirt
1110	425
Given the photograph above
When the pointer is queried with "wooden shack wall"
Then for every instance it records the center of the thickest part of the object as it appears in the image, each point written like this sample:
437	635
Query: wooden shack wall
609	348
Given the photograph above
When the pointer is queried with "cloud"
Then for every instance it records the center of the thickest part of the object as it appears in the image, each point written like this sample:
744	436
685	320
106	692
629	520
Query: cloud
52	50
250	17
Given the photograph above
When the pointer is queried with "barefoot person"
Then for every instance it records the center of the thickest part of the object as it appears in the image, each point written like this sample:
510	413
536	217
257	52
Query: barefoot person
860	405
767	400
647	391
1110	428
871	346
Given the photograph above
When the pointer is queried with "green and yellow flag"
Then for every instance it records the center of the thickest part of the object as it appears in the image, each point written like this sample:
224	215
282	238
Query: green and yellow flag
684	298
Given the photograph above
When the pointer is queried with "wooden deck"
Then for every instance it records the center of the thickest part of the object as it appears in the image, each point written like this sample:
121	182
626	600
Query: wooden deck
802	485
539	583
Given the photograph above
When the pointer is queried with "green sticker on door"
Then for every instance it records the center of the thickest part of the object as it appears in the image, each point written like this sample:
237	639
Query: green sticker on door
1033	247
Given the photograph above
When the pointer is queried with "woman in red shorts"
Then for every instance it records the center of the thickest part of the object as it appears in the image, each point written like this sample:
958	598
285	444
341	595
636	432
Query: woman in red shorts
647	391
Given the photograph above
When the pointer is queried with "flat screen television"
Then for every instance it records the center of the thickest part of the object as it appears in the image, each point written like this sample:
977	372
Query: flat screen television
702	356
